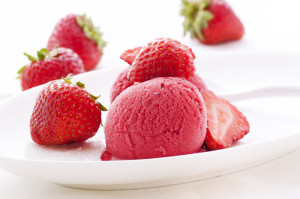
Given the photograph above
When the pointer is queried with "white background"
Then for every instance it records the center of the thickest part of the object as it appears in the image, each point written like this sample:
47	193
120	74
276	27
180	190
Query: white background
271	25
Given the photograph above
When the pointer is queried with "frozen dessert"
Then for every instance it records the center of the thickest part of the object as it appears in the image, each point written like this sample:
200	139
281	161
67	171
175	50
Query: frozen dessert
161	117
198	82
122	82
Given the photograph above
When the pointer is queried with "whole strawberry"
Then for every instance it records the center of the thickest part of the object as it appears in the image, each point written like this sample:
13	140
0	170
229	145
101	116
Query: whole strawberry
78	33
64	113
49	66
163	57
211	21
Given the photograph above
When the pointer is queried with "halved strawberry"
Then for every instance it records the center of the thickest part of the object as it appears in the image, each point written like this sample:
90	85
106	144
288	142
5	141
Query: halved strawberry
130	54
225	123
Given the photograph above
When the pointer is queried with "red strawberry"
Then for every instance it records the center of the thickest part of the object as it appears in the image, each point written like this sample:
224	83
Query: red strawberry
130	54
211	21
225	123
160	58
64	113
49	66
79	34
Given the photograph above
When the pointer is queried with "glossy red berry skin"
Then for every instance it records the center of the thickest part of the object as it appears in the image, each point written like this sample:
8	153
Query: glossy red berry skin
163	57
64	113
225	25
48	69
67	33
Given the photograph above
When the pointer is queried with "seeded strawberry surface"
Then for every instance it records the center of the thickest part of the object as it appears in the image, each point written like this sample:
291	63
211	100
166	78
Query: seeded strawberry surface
64	113
162	57
83	38
211	21
55	67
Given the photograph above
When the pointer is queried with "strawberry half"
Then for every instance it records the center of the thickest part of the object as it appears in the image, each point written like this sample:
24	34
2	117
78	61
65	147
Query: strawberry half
225	123
163	57
130	54
49	66
211	21
78	33
64	113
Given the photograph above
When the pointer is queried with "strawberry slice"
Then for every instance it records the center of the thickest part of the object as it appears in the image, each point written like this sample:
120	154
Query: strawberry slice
225	123
130	54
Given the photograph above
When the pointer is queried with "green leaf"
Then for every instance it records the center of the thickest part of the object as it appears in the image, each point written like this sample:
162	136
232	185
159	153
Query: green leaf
196	16
41	55
68	78
103	108
92	32
54	52
31	58
93	97
44	51
20	71
80	84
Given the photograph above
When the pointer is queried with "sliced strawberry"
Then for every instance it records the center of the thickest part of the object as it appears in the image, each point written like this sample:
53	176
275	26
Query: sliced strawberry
225	123
130	54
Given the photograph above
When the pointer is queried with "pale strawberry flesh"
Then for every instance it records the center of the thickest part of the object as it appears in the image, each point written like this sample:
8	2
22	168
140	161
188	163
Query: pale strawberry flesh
225	123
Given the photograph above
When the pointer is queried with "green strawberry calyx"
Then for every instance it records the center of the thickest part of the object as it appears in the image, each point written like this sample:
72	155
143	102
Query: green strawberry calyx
196	16
68	78
41	54
92	32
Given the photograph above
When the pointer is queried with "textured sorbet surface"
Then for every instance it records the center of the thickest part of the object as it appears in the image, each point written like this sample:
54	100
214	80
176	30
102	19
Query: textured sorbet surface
122	83
157	118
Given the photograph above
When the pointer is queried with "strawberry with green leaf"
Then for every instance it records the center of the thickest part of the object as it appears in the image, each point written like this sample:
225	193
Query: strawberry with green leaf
49	66
65	113
78	33
211	21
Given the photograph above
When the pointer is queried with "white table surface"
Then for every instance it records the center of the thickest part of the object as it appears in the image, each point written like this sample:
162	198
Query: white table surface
270	26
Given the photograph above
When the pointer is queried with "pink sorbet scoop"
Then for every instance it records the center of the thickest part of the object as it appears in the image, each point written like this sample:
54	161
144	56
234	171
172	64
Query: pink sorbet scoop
165	116
122	82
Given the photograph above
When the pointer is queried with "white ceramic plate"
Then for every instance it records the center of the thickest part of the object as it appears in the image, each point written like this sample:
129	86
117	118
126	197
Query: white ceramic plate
274	121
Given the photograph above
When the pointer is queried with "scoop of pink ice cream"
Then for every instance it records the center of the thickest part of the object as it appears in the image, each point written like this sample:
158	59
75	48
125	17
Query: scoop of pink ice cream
122	83
161	117
198	82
